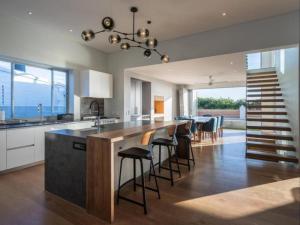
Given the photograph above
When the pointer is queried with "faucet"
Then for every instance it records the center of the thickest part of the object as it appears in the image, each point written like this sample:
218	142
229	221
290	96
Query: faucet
98	107
97	122
40	110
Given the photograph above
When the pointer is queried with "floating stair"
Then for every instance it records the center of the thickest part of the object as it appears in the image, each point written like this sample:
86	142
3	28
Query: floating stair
264	90
265	100
270	136
270	157
262	85
274	128
263	81
265	95
270	147
268	120
265	105
253	77
266	113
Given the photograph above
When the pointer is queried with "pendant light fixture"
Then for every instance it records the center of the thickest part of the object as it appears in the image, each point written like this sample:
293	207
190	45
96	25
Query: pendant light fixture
137	39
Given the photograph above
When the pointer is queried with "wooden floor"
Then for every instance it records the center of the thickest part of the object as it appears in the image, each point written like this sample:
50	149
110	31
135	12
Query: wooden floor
223	188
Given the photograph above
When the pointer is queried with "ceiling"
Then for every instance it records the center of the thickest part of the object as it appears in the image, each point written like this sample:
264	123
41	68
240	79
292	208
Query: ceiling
229	68
170	18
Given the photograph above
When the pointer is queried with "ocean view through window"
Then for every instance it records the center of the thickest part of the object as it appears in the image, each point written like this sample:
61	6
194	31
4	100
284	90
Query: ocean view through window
24	87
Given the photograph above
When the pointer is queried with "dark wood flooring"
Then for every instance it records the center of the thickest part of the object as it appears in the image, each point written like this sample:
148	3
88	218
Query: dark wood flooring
223	188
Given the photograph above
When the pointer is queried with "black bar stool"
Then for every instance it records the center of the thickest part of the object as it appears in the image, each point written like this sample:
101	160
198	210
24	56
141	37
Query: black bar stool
171	144
137	153
187	138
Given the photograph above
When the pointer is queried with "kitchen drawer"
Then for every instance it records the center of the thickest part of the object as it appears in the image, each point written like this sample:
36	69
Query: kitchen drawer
2	150
21	137
20	156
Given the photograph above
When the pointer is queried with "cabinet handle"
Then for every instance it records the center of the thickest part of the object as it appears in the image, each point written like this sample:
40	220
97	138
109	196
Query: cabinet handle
24	146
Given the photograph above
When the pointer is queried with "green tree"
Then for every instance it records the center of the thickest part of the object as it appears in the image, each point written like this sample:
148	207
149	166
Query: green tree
219	103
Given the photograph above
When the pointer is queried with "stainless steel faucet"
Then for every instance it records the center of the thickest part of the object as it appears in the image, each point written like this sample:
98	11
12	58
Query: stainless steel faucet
40	110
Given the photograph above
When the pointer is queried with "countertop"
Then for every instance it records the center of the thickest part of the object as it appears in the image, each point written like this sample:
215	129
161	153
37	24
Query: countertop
117	131
83	133
36	123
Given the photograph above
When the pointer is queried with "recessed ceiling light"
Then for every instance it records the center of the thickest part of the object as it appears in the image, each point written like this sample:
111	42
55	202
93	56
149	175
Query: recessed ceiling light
29	12
224	14
231	63
70	30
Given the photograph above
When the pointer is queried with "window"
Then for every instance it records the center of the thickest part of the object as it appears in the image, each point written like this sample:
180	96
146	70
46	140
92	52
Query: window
254	61
59	92
5	87
32	86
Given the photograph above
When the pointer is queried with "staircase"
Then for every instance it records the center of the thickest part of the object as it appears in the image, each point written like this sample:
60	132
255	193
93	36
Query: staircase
268	131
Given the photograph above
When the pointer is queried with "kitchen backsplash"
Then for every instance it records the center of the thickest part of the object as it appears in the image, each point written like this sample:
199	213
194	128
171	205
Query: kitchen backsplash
85	106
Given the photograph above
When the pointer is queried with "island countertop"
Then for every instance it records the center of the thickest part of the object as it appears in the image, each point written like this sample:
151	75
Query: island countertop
116	131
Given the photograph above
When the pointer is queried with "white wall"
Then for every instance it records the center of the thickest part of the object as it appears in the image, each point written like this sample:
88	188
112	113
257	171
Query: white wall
32	43
276	31
287	67
158	88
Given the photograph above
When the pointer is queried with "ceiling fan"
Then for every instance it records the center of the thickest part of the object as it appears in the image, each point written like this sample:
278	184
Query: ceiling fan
211	80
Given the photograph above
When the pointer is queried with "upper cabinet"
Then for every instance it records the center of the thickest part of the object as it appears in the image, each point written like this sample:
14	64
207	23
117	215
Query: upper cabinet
96	84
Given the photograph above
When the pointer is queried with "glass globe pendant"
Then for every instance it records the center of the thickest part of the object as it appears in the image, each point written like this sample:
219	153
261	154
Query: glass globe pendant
88	35
165	58
147	53
125	46
151	42
108	23
114	39
143	33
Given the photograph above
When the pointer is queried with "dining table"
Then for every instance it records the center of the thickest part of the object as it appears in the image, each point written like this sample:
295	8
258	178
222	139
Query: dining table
200	121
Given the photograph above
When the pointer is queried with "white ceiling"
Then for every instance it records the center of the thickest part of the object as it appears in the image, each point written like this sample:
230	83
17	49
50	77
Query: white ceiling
225	69
170	18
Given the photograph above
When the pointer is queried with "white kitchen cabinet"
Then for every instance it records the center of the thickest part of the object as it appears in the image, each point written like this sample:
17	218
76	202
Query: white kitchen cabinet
20	156
22	146
96	84
2	150
20	137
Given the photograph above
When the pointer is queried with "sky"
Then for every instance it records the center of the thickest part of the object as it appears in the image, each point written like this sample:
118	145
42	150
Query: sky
233	93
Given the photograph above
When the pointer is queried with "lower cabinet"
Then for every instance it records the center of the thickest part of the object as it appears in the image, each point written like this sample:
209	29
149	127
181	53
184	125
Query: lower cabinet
23	146
20	156
2	150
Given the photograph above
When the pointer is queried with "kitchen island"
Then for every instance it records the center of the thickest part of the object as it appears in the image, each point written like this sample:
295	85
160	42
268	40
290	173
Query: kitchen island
82	166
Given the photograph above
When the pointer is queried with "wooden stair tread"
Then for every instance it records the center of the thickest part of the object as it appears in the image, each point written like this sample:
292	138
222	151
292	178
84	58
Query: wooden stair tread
266	106
261	73
266	100
276	128
262	81
269	146
264	89
268	120
270	136
262	85
265	95
262	77
270	157
266	113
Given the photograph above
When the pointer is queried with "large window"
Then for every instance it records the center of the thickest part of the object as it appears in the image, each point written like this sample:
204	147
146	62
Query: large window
5	85
32	87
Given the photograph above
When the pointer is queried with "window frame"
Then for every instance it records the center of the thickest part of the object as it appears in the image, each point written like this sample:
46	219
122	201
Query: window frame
41	66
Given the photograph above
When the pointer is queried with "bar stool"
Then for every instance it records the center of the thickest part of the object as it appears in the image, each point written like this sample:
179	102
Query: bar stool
137	153
171	145
187	137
